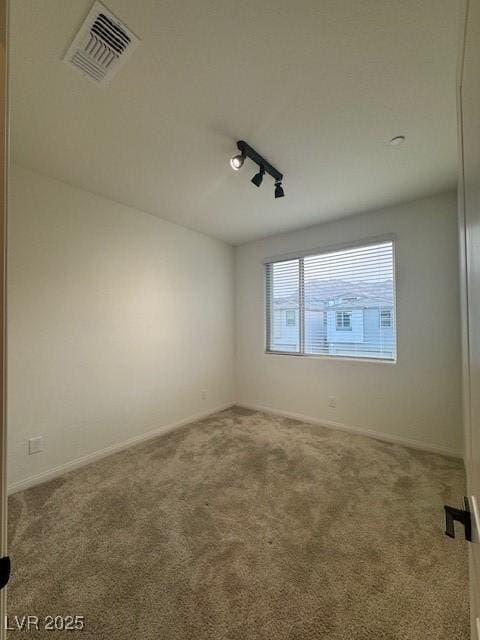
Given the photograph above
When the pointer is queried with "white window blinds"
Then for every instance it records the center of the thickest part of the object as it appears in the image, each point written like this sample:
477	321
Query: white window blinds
337	303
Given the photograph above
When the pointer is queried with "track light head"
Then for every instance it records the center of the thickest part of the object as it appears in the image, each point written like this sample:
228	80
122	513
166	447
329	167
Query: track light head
237	162
279	193
258	177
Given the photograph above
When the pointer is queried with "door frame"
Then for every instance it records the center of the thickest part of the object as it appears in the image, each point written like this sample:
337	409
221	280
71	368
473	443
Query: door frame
4	135
474	578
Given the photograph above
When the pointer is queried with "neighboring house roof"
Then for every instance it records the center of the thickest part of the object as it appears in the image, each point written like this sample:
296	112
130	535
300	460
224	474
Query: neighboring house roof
340	295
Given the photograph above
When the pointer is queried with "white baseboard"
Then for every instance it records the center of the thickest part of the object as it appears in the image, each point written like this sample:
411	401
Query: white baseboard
44	476
377	435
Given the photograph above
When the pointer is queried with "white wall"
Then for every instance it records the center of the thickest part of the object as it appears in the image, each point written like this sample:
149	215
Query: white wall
116	323
118	320
418	398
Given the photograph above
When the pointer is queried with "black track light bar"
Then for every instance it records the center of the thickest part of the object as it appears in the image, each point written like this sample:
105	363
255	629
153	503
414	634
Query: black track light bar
247	151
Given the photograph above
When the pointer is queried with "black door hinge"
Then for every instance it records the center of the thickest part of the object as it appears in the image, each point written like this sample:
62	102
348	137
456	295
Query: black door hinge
5	566
460	515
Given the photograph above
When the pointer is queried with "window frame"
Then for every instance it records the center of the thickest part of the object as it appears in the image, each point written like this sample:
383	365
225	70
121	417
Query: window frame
332	248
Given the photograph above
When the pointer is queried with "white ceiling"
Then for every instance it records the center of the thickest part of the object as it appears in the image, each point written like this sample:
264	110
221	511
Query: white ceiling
317	86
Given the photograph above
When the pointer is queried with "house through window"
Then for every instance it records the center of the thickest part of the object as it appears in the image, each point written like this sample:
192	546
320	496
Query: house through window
290	317
339	302
385	319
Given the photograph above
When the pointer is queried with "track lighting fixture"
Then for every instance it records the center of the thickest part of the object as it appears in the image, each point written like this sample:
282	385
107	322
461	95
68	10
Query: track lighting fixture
258	177
279	193
246	151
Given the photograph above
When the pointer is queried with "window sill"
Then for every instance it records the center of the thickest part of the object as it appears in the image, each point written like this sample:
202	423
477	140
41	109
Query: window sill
316	356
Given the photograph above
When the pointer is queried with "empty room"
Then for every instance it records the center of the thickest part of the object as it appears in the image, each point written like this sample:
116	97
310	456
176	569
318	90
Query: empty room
240	307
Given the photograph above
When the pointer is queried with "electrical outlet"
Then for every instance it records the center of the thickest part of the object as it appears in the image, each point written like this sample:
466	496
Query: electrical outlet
203	394
35	445
332	401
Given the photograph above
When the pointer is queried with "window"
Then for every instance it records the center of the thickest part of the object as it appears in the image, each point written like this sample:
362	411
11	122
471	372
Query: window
344	320
290	317
385	319
283	285
335	303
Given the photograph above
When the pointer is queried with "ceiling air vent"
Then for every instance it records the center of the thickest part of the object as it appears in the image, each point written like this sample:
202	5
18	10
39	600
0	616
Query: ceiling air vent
101	46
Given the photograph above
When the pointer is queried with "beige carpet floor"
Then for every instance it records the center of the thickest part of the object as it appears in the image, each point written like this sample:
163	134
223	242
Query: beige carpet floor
245	526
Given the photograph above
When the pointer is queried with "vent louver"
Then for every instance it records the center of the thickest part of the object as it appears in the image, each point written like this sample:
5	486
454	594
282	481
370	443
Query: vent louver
101	45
